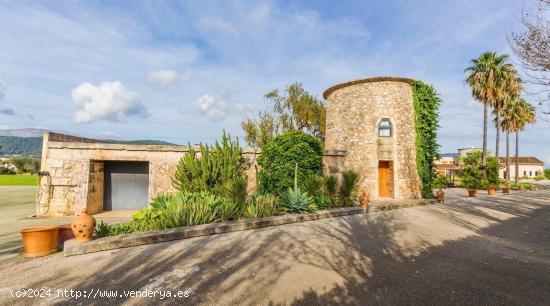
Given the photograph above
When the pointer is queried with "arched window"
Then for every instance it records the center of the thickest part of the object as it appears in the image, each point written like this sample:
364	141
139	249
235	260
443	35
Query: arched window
384	128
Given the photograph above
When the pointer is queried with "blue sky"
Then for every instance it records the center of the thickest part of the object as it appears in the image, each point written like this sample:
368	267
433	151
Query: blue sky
183	71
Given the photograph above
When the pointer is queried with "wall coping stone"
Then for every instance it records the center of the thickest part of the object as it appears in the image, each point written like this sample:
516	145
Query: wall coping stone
71	247
332	89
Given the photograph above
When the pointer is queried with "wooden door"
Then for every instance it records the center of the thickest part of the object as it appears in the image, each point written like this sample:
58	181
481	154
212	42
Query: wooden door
384	179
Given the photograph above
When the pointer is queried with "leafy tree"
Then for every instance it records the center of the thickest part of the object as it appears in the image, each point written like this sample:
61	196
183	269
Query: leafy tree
212	168
490	78
472	170
280	156
26	164
293	110
547	173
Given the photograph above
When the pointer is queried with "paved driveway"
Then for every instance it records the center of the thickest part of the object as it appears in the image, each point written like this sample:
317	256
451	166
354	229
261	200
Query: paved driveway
487	250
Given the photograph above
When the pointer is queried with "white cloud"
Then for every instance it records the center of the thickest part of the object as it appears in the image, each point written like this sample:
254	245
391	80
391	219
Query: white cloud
217	24
167	77
110	101
215	111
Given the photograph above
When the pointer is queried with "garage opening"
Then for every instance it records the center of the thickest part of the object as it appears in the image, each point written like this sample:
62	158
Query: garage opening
126	185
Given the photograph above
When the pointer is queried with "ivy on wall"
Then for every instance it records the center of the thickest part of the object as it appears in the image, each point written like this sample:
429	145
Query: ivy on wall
426	119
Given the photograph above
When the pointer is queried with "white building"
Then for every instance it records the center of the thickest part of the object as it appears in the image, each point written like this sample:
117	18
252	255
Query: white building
529	166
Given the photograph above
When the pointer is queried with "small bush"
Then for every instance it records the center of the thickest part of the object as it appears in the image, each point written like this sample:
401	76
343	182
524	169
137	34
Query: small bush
539	178
323	202
259	206
349	188
330	188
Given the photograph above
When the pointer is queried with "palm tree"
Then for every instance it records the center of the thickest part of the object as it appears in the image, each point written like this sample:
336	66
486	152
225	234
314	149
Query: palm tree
508	88
516	114
488	77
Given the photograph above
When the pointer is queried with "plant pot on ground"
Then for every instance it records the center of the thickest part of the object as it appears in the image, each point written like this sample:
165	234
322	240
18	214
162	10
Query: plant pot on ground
440	195
491	191
472	192
505	189
65	233
83	227
39	241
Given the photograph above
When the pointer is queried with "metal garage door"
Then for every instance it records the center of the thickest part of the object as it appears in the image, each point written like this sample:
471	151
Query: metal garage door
126	185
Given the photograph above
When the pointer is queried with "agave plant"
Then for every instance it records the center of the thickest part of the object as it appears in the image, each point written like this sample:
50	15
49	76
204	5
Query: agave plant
296	201
349	189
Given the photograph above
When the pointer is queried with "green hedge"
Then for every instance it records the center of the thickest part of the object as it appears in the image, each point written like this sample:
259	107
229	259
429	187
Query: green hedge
279	157
426	117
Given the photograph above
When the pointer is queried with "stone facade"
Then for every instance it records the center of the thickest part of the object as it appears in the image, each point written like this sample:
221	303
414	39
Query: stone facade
354	112
72	171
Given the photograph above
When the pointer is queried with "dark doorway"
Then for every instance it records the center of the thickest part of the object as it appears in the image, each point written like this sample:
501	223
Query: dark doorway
126	185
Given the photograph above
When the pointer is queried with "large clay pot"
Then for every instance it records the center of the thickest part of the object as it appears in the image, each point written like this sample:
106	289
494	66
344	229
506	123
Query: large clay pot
505	189
83	227
491	191
440	195
65	233
472	192
39	241
363	200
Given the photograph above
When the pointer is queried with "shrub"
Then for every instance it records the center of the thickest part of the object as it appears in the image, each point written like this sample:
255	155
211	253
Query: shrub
217	165
192	209
258	206
323	202
236	189
547	173
491	172
440	181
348	191
5	170
539	178
279	157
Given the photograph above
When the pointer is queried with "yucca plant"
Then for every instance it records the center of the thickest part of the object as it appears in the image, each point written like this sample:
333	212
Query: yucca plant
259	206
349	189
330	187
313	184
236	189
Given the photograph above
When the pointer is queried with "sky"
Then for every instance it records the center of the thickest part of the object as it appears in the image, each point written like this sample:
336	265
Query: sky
183	71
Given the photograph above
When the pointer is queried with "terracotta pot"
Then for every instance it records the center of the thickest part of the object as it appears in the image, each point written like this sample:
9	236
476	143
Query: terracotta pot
472	192
39	241
65	233
491	191
83	227
363	200
440	195
505	190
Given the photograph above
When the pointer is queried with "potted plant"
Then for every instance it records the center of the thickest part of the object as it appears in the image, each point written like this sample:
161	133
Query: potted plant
491	174
472	172
505	189
440	182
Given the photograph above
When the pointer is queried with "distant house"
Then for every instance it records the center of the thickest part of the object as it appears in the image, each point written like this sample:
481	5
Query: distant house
529	166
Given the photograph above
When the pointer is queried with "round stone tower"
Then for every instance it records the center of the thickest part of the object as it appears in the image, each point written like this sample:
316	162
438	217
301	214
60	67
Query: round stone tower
370	129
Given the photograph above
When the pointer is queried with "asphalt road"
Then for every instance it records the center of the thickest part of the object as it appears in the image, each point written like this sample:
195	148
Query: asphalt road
488	250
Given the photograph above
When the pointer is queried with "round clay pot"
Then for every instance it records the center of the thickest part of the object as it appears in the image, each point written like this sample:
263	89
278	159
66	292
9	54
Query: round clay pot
39	241
83	227
472	192
440	195
491	191
65	233
505	190
363	200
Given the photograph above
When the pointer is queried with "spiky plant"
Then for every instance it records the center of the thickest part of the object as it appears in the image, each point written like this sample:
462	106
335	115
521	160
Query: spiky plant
294	200
349	189
330	187
313	184
259	206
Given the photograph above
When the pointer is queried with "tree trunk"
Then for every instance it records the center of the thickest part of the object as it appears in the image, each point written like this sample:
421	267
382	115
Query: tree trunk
497	115
484	152
517	158
507	176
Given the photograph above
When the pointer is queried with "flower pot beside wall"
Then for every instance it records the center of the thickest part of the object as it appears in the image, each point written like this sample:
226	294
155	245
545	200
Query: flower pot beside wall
363	200
491	191
83	227
39	241
472	192
440	194
65	233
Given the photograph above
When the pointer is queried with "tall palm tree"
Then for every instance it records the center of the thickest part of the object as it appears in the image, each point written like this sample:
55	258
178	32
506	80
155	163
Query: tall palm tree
516	114
487	77
508	88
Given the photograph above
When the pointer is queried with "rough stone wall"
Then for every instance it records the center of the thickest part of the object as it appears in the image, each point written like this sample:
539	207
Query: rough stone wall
353	114
76	171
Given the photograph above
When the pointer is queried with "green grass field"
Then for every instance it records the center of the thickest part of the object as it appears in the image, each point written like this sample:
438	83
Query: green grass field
18	180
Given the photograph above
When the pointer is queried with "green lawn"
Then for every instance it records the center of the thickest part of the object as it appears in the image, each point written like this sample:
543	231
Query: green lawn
18	180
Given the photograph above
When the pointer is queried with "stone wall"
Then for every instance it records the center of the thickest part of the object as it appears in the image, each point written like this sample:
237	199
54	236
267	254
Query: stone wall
76	172
353	113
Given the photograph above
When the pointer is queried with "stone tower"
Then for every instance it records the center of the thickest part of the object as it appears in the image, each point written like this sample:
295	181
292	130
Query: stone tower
370	129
